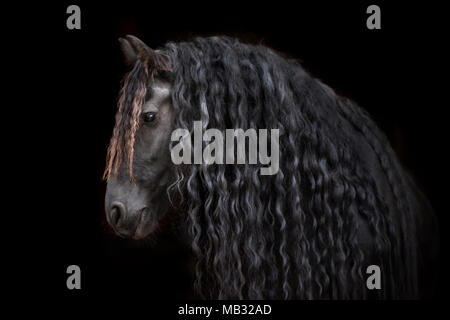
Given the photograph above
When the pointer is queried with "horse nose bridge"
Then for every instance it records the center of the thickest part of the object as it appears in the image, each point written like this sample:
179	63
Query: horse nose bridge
121	191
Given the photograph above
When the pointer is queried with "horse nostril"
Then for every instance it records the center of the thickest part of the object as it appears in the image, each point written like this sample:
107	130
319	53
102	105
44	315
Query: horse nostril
116	213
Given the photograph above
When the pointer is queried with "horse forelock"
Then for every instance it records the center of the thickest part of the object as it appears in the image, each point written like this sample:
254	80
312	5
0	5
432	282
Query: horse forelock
131	98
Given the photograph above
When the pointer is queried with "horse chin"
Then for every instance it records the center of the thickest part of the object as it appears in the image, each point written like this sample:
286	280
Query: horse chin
139	235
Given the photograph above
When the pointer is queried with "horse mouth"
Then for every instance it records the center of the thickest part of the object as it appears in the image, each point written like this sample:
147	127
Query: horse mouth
141	229
145	226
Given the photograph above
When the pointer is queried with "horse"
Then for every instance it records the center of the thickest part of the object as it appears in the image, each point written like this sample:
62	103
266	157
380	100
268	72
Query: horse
340	201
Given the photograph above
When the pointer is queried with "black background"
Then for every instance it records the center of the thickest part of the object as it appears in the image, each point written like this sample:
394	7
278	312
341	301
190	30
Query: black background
394	73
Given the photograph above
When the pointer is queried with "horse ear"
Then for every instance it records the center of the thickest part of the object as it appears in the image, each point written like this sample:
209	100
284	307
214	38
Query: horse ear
133	48
128	52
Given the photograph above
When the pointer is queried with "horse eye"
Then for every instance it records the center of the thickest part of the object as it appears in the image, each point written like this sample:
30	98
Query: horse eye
149	116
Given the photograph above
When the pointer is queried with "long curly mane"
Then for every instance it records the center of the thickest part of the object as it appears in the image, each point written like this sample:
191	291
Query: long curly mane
294	234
